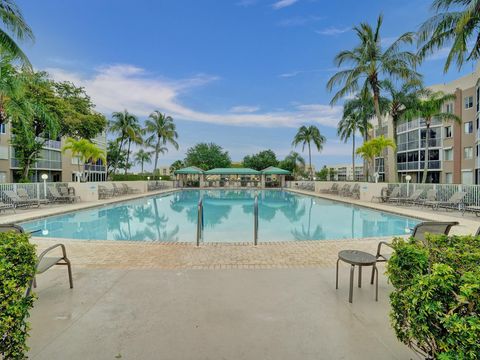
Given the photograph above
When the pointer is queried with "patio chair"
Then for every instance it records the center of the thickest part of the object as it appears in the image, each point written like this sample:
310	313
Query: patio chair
413	198
64	190
355	191
329	189
430	196
394	196
382	197
419	231
117	190
17	201
130	190
44	262
345	190
104	192
57	197
454	202
23	194
5	206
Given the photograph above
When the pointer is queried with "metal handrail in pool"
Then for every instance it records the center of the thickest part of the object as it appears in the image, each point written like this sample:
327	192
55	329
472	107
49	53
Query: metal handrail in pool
255	221
200	221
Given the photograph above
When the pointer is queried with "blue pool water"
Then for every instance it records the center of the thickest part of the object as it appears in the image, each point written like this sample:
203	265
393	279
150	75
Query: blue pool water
228	217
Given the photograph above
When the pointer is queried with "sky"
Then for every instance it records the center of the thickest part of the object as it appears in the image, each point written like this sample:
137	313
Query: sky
244	74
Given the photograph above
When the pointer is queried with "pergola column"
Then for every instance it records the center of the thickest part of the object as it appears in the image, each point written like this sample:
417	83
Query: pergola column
262	180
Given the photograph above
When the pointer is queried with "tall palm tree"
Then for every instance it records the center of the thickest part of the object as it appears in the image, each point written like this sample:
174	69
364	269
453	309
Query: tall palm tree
143	157
348	127
374	148
362	105
14	27
296	160
305	136
401	97
163	132
370	64
135	136
11	90
428	109
125	125
456	23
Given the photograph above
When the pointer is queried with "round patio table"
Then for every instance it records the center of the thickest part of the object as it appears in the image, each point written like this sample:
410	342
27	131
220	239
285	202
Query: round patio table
360	259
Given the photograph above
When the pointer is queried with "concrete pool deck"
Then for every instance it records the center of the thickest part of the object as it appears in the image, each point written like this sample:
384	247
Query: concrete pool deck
208	314
147	300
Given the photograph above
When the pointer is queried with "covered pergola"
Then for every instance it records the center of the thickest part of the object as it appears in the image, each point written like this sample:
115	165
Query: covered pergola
231	177
189	177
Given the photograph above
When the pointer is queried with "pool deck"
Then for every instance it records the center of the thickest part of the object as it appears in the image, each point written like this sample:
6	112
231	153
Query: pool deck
147	300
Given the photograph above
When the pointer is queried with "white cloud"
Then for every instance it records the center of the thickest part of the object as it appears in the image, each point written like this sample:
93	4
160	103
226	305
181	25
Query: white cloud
333	31
244	109
118	87
283	4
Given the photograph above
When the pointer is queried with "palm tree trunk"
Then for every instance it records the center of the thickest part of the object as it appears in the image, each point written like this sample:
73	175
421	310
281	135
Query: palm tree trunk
365	162
142	166
115	165
128	156
156	157
425	164
395	166
376	104
353	156
310	160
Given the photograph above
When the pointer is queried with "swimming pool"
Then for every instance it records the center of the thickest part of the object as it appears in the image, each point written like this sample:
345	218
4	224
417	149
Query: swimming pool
228	217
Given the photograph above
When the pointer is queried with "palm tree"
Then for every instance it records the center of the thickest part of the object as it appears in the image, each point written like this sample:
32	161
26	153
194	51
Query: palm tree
428	109
122	124
305	136
134	135
400	99
295	160
85	151
163	132
374	148
456	23
14	27
370	65
11	90
350	124
143	157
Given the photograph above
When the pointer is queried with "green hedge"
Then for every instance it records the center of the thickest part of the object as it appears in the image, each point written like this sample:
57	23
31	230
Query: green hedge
17	268
436	297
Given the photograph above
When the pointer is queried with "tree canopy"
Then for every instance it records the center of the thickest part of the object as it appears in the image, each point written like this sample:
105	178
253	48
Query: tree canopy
261	160
207	156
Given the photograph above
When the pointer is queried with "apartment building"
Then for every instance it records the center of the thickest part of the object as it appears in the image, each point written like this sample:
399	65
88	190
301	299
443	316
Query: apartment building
344	172
57	165
453	155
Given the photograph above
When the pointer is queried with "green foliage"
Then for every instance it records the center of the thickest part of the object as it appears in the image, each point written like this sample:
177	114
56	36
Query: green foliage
306	135
79	119
116	157
322	175
293	162
260	161
436	300
207	156
17	268
138	177
176	165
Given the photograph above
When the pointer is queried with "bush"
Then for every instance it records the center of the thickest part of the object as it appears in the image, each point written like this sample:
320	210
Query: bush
17	268
436	300
136	177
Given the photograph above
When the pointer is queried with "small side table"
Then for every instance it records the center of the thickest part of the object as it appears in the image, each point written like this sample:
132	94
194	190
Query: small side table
359	258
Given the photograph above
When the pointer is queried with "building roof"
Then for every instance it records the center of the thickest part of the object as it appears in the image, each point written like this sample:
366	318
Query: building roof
189	170
272	170
232	171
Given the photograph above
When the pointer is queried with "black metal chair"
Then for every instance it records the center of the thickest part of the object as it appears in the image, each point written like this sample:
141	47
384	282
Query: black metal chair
419	232
44	262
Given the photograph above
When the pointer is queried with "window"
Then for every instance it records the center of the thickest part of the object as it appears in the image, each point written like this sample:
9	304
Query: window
468	102
448	131
3	129
448	154
448	178
467	177
468	127
3	177
449	108
468	153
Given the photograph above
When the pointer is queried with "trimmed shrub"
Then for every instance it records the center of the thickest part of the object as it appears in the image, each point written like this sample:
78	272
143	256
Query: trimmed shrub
436	297
17	268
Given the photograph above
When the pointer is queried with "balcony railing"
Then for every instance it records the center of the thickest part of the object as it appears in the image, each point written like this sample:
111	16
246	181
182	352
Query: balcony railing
98	168
418	165
40	164
51	144
432	142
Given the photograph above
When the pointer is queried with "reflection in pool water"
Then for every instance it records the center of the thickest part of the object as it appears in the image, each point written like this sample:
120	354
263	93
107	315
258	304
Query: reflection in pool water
228	217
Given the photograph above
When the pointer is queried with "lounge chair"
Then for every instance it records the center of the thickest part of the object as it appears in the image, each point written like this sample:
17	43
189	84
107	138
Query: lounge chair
23	194
57	197
430	196
66	192
17	201
130	190
474	209
331	189
104	192
117	190
454	202
44	262
395	196
419	231
345	190
4	206
355	192
413	198
382	197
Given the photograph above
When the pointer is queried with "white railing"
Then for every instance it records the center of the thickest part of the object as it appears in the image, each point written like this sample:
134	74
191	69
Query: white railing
34	190
444	191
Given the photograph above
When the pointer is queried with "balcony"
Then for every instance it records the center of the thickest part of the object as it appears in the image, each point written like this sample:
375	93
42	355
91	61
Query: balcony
39	165
50	144
418	165
96	168
432	143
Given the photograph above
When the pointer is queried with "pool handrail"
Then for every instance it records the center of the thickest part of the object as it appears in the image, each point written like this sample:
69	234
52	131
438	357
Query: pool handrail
255	220
200	221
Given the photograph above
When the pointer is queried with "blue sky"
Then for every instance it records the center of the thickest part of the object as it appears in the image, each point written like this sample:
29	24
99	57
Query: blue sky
242	73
